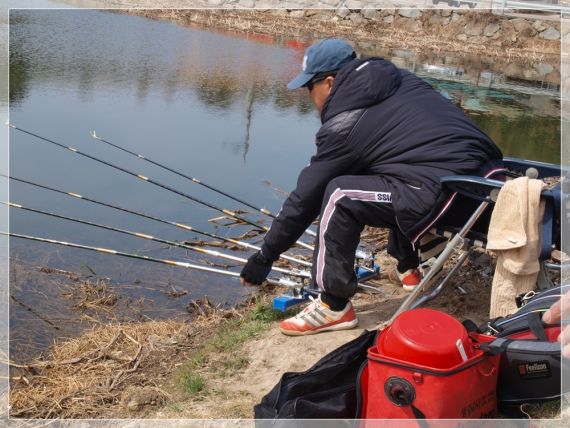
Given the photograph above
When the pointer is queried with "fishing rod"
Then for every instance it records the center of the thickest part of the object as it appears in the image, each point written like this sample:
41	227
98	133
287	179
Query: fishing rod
263	211
160	220
281	281
153	238
179	225
149	180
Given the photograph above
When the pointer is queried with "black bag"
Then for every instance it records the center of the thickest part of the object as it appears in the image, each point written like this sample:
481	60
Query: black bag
531	363
325	391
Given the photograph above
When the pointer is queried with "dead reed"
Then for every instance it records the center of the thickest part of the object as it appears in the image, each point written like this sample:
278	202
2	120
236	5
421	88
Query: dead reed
82	374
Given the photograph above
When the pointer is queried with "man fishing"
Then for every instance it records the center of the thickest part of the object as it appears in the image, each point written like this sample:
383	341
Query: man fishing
387	137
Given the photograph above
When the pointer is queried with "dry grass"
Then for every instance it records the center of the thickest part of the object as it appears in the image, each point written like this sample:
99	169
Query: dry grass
115	367
82	374
92	295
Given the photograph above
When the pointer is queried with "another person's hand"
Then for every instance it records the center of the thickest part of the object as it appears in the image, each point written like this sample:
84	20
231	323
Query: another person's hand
559	312
256	269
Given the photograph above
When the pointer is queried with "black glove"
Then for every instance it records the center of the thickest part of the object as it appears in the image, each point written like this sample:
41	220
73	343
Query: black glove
256	269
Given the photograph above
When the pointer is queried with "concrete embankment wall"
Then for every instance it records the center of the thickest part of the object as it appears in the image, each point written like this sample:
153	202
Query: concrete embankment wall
463	25
449	29
458	23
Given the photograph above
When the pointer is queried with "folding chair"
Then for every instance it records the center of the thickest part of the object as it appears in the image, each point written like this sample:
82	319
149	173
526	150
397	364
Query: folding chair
464	225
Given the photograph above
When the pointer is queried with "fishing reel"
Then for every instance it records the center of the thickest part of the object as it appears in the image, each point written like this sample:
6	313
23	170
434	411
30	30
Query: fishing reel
365	267
296	293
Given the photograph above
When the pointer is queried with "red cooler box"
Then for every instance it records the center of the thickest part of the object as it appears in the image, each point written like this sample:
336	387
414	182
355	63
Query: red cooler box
426	365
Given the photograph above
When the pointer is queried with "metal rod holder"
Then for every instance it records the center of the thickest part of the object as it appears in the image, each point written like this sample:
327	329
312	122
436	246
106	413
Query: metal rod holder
455	244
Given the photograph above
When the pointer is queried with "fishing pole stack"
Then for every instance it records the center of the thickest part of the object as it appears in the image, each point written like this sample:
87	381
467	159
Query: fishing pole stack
296	278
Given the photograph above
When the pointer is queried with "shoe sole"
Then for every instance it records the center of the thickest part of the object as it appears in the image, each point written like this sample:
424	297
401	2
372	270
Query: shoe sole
341	326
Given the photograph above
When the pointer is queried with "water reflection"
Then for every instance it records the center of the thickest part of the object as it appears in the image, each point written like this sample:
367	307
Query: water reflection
218	91
224	71
213	105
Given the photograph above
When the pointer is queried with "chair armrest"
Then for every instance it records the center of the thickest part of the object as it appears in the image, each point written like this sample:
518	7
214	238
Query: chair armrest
472	186
542	169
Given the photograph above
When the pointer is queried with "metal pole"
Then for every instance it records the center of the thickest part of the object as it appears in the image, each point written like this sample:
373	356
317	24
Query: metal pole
455	244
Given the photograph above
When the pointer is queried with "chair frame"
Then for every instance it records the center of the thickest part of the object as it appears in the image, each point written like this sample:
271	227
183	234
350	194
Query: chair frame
484	190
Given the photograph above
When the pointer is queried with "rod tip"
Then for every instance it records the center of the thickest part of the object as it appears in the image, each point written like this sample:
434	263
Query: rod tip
9	124
94	134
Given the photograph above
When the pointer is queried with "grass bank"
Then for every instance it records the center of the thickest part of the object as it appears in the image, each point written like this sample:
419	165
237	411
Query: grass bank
220	355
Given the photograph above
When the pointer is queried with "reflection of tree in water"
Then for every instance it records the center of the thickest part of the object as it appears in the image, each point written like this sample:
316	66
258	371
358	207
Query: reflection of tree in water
19	77
261	91
219	91
18	66
285	99
248	114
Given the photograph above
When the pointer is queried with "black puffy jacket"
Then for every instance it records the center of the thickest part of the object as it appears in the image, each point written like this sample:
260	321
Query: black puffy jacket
381	120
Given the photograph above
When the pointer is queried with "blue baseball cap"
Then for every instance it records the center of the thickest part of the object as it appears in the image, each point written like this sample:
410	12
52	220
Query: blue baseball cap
326	55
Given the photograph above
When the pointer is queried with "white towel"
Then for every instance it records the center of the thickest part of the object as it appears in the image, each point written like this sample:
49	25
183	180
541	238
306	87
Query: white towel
514	234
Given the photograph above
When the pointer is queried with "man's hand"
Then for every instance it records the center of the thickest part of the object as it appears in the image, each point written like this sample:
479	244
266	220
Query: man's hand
559	312
255	270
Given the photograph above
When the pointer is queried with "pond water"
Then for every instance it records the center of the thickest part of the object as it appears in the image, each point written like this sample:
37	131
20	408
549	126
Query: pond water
212	105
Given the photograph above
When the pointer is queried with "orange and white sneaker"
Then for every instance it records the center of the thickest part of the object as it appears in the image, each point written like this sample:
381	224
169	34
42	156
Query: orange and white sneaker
409	279
318	317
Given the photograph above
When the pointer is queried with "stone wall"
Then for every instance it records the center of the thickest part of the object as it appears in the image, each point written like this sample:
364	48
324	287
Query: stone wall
478	31
459	24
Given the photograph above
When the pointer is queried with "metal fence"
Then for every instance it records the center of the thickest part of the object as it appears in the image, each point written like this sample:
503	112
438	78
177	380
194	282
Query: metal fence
543	6
552	6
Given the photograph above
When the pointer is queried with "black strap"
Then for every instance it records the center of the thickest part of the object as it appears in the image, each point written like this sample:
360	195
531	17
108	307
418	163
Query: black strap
496	346
418	414
359	391
534	347
546	232
535	325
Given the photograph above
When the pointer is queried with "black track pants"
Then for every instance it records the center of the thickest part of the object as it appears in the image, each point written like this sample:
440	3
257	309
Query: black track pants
350	203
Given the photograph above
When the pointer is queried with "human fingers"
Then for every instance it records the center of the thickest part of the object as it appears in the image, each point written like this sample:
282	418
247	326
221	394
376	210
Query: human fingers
558	310
553	314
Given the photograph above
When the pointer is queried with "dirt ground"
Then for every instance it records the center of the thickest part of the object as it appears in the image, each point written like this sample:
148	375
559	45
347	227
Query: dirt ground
273	354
